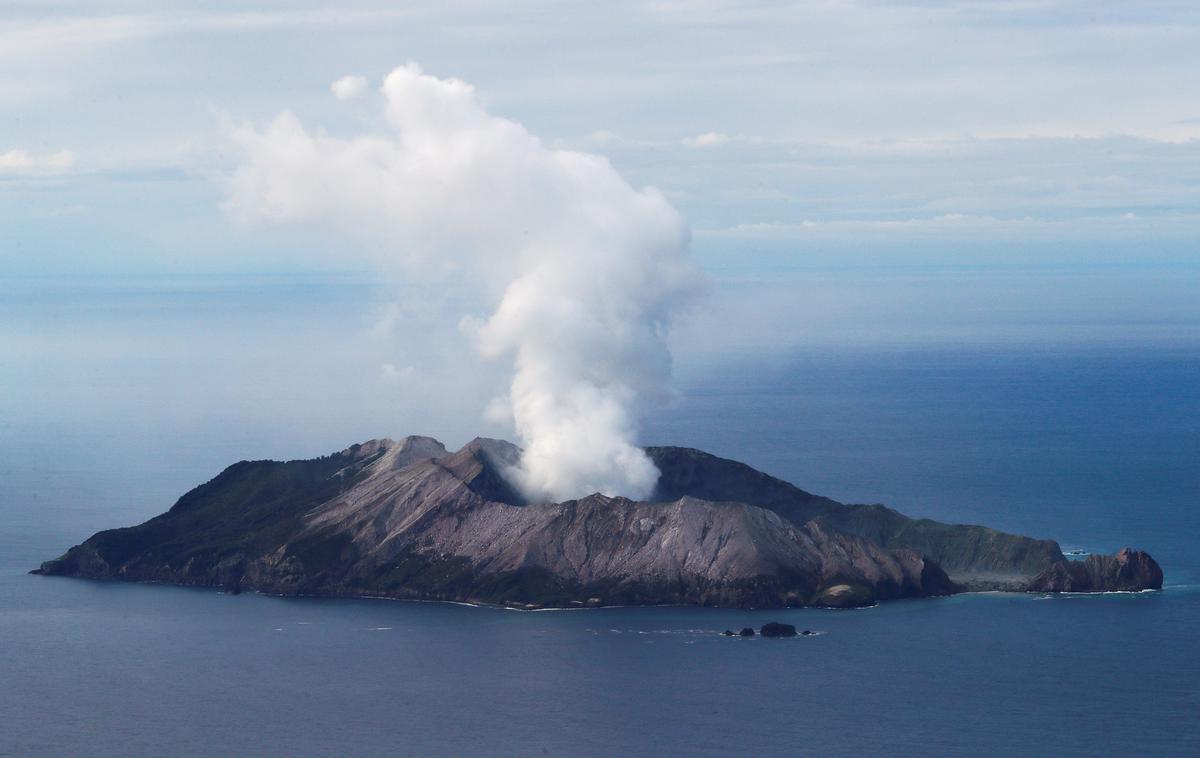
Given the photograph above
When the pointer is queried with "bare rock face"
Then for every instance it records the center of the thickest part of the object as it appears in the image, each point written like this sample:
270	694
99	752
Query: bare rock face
1128	571
409	519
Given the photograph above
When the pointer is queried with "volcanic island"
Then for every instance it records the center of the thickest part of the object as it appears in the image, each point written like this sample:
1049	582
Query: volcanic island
409	519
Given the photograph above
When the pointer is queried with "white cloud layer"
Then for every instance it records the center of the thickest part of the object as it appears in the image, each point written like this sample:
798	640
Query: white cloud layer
585	272
850	115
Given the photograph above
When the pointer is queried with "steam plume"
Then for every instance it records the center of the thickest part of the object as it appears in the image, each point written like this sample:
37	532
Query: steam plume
583	272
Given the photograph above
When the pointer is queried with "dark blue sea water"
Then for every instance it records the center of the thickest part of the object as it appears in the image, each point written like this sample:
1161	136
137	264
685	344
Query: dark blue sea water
117	396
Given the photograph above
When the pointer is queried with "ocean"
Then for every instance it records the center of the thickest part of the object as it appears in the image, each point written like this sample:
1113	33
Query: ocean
1062	404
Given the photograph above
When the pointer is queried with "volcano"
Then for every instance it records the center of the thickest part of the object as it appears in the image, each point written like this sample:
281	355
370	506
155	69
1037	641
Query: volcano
409	519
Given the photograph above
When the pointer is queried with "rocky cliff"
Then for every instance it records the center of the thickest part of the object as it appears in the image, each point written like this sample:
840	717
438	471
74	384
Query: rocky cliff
410	519
1128	571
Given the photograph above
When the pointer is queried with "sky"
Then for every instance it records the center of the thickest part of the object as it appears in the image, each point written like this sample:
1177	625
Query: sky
847	176
789	135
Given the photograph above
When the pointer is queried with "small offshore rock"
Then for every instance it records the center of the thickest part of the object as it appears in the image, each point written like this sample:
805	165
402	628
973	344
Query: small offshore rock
747	632
727	633
776	629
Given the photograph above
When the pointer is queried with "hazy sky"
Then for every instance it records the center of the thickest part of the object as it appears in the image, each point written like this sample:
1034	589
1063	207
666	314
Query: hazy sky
790	135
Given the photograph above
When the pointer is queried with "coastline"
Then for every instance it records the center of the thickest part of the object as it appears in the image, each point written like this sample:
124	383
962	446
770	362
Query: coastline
221	590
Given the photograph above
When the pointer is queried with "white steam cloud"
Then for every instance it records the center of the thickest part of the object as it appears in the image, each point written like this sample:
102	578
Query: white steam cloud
584	272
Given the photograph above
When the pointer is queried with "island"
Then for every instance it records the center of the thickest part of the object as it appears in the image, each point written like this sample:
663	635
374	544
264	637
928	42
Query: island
409	519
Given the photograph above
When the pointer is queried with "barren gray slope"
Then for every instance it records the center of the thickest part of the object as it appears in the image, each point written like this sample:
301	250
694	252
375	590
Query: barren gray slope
685	551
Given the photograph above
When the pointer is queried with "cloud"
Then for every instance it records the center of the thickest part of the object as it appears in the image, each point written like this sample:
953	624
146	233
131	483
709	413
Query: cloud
349	87
582	274
707	139
22	162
